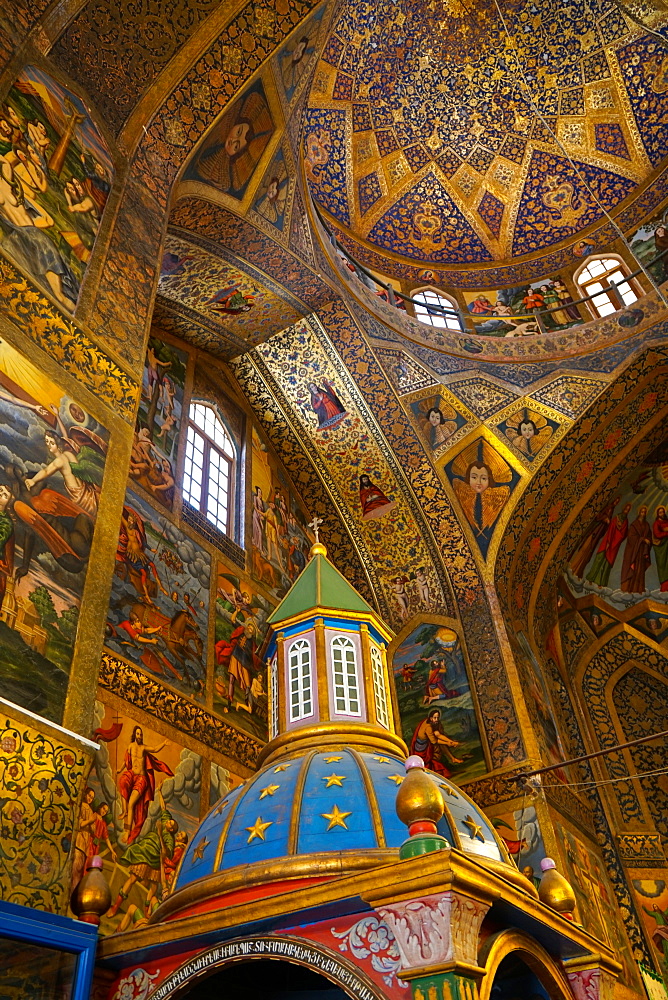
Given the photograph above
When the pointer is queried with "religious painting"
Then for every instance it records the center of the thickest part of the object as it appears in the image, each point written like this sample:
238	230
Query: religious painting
520	831
438	717
483	483
653	624
55	177
508	312
280	536
651	897
528	431
240	680
296	57
326	404
597	620
37	806
438	421
229	154
539	705
159	609
221	781
139	810
373	502
271	198
622	554
155	445
650	242
52	459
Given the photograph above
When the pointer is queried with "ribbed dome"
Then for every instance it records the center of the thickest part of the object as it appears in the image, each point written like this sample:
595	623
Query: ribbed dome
324	802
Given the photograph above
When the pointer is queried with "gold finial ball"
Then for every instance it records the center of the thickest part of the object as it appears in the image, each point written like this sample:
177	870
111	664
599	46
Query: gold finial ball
555	891
418	798
318	549
92	897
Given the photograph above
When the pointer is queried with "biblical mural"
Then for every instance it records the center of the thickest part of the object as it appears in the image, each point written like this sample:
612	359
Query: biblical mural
438	718
651	241
52	456
483	483
140	808
539	705
155	445
158	614
41	781
55	176
280	536
520	831
271	198
240	682
229	154
228	298
296	57
622	556
438	421
508	311
651	897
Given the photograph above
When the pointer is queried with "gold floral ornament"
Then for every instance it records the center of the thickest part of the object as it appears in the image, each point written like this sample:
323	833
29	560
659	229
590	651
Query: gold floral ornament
483	482
528	432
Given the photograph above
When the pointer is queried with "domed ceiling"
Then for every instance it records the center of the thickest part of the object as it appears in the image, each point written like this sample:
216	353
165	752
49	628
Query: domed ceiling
477	134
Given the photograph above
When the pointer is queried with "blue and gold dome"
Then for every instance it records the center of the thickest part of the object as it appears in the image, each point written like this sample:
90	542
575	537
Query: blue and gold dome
338	803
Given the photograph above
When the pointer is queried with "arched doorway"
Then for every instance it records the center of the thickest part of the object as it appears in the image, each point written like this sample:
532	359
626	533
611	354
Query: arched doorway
265	979
514	980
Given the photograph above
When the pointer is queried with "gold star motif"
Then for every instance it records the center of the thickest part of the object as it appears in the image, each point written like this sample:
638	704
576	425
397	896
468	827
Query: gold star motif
448	791
475	830
336	818
332	760
382	760
257	829
334	779
396	778
198	853
281	767
221	807
269	790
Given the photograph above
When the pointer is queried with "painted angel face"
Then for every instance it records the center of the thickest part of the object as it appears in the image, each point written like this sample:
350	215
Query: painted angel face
479	479
237	138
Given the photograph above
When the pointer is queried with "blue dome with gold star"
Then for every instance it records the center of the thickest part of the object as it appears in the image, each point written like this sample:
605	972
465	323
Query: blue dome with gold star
338	804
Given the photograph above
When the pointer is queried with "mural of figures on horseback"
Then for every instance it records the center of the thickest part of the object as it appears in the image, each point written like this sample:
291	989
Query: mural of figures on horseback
159	607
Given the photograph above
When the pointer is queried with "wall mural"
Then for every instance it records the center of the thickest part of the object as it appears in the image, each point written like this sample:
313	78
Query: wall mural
52	457
225	296
229	154
296	57
40	790
280	536
154	450
240	682
508	311
139	810
528	431
622	556
651	240
438	718
55	176
651	897
438	421
520	831
483	482
158	614
271	203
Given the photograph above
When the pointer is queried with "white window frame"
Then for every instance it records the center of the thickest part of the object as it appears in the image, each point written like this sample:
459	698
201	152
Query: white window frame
344	692
441	321
300	680
211	448
379	689
604	302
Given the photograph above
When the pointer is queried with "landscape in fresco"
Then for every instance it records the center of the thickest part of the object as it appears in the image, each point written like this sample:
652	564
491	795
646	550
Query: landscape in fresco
56	173
159	608
508	312
438	718
52	458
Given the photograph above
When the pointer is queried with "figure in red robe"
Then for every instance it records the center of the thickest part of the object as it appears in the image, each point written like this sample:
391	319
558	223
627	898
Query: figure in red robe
327	406
617	531
637	555
429	740
136	781
592	538
372	499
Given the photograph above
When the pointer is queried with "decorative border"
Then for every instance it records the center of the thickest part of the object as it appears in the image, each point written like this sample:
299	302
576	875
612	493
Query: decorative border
149	695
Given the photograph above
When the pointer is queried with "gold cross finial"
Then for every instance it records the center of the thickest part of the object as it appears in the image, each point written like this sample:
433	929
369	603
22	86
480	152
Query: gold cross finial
315	525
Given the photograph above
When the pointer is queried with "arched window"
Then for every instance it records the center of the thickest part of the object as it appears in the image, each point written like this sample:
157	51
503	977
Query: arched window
379	690
596	276
301	684
434	317
346	684
208	474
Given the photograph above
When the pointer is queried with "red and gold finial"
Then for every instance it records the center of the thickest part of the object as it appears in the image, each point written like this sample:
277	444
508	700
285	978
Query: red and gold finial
420	806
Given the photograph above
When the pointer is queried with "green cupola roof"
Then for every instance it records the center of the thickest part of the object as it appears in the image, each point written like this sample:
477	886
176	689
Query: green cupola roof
320	585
